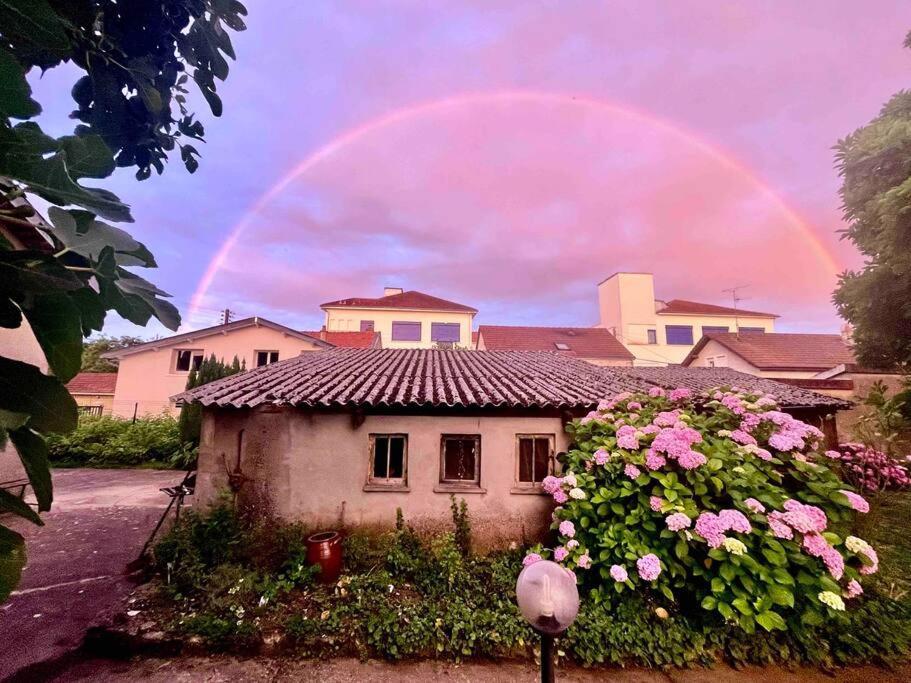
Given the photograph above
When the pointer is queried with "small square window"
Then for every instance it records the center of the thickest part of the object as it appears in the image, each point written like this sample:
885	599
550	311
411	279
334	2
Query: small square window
561	346
366	326
445	332
751	330
187	359
534	454
652	336
388	459
266	358
460	457
679	334
406	331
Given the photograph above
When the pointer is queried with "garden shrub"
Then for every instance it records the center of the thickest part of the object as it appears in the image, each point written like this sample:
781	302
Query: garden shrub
870	470
107	441
719	502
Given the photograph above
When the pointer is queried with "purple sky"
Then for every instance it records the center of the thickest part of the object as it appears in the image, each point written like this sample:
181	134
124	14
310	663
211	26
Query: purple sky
509	155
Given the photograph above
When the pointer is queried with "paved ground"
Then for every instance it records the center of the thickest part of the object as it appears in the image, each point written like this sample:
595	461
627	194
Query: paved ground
76	562
212	669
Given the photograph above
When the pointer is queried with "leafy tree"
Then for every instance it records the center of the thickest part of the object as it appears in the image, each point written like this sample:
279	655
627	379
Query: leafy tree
209	370
93	349
132	111
875	163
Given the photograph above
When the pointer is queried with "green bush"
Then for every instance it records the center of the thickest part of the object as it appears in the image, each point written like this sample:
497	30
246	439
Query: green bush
718	502
106	441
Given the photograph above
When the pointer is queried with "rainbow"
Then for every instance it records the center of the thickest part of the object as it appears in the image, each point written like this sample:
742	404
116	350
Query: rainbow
352	135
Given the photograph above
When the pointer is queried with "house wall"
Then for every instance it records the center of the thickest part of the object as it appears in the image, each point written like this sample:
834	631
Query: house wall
313	468
106	401
146	380
19	344
628	309
346	318
609	362
723	357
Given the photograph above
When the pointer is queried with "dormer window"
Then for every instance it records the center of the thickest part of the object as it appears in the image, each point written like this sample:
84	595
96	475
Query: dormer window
561	346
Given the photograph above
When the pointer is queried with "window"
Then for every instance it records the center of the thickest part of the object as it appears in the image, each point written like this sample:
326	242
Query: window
460	457
406	331
388	457
561	346
652	336
712	329
184	359
535	458
366	326
266	357
445	332
751	330
679	334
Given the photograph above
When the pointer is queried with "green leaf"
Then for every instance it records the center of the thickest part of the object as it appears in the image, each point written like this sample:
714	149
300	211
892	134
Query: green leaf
771	621
10	313
88	237
15	93
781	596
727	571
57	325
12	560
135	286
33	272
32	449
725	610
35	23
742	606
87	156
17	506
709	602
25	389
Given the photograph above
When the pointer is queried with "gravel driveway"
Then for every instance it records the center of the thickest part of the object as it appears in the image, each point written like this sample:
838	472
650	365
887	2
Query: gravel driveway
76	562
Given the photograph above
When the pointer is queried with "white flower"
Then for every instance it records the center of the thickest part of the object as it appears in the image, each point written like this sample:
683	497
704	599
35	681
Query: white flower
724	432
832	600
856	545
570	479
734	546
572	543
577	493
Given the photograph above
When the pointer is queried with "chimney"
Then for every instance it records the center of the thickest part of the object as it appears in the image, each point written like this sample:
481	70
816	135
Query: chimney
322	333
391	291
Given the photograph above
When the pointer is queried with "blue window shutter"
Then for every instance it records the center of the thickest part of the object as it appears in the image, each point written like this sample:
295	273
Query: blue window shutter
711	329
679	334
750	330
406	331
445	332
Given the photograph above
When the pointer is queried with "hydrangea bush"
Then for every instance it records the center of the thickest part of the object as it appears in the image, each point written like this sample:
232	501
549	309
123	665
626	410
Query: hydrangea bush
718	501
870	470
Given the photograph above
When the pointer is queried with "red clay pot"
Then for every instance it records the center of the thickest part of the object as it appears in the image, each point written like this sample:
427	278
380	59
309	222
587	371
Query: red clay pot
325	549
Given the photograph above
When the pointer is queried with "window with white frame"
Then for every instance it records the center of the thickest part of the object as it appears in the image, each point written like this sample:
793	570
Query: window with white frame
388	459
266	358
187	359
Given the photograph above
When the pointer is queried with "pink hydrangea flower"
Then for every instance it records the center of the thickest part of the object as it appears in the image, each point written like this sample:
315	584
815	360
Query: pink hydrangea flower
567	528
677	521
778	526
550	484
680	393
873	558
618	573
560	554
804	518
656	392
666	418
572	544
834	455
735	520
601	456
711	528
584	561
854	589
631	470
649	567
654	461
815	544
655	503
690	460
742	437
634	405
754	505
857	501
834	562
560	496
530	559
626	438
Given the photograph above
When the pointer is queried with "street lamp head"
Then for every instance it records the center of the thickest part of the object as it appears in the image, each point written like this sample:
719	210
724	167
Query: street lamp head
547	596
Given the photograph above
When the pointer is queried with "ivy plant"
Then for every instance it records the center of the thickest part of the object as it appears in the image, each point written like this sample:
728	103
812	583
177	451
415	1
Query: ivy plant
63	275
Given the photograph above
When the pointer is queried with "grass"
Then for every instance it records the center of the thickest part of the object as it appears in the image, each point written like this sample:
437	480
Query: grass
886	527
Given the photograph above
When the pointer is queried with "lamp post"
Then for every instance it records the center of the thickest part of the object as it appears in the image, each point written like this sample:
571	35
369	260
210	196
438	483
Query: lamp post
549	601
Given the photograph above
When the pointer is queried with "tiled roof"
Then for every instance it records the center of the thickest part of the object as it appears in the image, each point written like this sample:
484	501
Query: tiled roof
93	383
429	377
782	351
349	340
703	379
582	342
683	307
405	300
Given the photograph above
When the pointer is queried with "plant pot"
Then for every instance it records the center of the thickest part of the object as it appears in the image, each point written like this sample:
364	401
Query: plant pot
325	549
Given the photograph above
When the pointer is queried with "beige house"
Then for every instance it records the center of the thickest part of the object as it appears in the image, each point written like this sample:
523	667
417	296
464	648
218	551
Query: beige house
149	374
663	332
404	320
345	437
592	344
93	392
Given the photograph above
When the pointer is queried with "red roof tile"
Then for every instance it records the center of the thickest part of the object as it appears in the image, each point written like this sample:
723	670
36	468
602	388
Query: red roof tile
582	342
683	307
351	340
407	300
430	377
93	383
781	351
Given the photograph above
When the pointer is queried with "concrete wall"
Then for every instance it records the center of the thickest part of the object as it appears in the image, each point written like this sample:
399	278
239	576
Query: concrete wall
346	318
146	380
313	468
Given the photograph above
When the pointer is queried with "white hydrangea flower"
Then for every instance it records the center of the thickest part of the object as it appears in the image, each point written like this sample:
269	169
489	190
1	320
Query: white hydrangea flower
856	545
833	600
577	493
724	432
570	479
734	546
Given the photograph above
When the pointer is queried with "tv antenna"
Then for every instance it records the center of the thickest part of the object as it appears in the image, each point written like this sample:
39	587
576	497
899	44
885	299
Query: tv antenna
736	299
